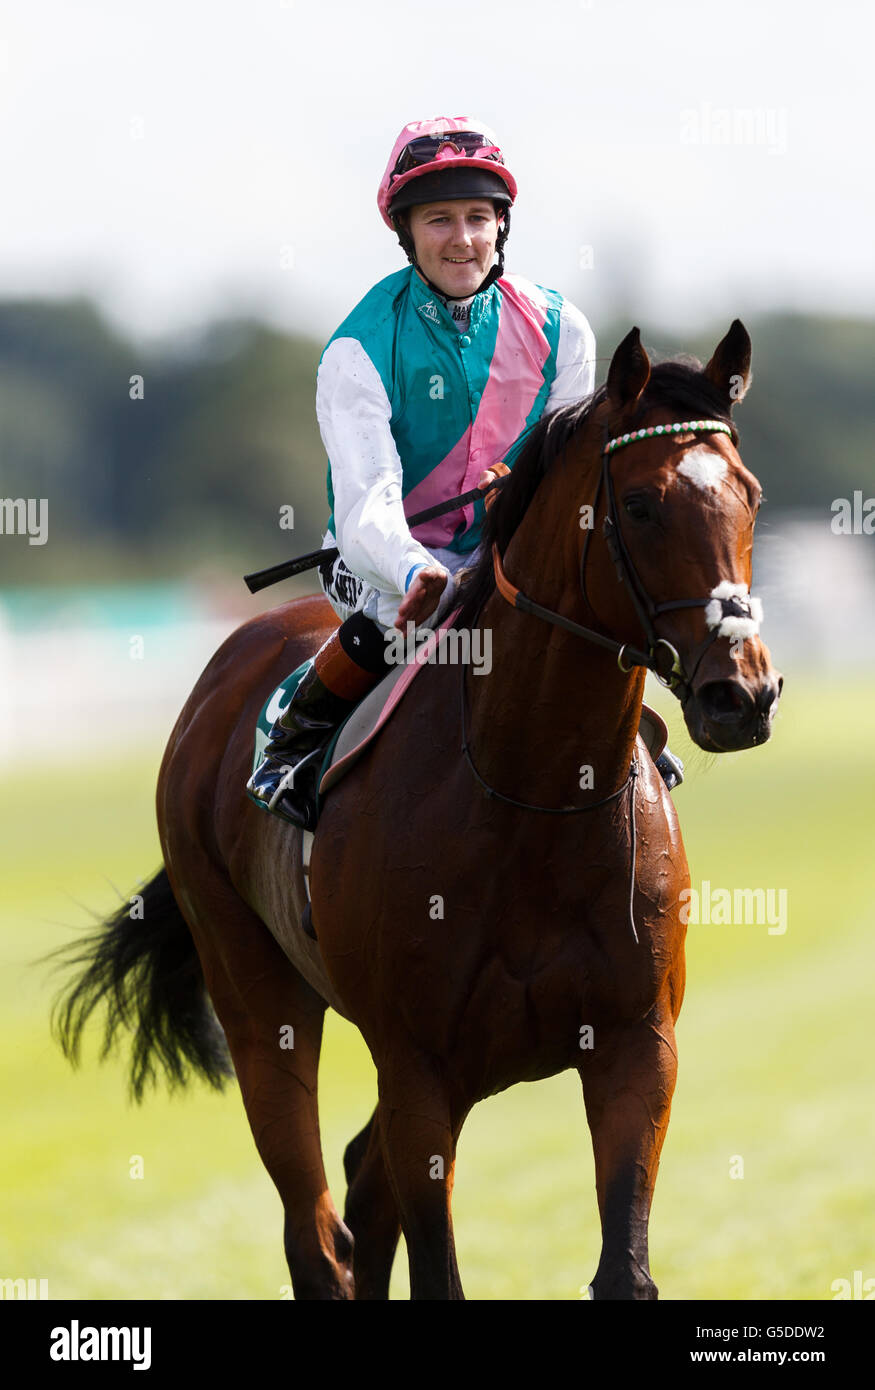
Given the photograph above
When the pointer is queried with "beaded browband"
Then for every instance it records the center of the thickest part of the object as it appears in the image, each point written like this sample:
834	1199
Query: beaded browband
680	428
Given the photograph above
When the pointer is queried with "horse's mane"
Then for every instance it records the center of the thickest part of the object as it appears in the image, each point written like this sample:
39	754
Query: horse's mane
679	383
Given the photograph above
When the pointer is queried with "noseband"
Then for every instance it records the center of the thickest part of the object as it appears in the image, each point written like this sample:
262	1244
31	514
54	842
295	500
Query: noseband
729	609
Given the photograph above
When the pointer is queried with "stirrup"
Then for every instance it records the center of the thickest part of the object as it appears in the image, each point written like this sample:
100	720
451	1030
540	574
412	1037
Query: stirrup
288	781
670	768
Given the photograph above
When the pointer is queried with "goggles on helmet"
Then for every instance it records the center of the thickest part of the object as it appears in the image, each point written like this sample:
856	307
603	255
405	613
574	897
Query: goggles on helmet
427	148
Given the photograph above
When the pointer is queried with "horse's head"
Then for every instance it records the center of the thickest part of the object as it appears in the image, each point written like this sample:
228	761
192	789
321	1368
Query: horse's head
642	482
677	508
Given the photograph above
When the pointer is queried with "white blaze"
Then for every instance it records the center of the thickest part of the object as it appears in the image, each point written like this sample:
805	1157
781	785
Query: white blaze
704	468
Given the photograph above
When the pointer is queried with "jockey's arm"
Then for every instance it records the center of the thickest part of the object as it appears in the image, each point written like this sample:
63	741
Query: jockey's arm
427	584
575	360
354	416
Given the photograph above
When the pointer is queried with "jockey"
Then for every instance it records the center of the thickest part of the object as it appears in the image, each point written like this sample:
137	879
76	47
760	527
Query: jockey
435	375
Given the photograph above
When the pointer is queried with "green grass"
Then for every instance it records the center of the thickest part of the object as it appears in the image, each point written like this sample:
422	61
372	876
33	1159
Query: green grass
774	1066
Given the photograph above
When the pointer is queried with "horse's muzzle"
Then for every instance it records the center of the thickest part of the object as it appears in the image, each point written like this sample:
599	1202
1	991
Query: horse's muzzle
724	716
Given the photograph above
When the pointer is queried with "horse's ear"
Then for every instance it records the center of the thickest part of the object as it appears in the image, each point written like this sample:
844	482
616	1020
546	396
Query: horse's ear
729	368
629	371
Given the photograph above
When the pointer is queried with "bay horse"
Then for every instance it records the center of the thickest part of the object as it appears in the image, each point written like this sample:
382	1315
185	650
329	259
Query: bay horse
484	913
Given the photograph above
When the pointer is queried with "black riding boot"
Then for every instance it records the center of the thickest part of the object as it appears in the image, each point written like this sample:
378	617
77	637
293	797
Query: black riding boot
286	780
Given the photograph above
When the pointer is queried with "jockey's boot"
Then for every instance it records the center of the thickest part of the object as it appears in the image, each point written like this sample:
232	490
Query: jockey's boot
286	780
671	767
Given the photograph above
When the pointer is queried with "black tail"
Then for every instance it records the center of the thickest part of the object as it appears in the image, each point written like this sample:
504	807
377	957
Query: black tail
142	961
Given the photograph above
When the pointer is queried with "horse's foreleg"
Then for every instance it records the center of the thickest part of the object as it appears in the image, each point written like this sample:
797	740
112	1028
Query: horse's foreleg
628	1081
370	1213
420	1151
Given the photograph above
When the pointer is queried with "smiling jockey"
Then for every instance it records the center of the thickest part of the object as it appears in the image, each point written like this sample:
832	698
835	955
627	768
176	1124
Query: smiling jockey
435	376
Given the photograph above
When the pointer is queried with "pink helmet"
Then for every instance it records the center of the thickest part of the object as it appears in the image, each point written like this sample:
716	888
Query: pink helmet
439	144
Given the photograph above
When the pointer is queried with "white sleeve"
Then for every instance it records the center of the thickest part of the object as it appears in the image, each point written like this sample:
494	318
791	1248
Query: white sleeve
354	412
575	359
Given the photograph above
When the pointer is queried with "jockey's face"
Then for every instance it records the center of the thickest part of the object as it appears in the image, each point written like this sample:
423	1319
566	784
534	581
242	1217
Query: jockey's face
455	243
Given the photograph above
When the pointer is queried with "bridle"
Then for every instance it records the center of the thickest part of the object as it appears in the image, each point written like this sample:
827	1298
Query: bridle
660	657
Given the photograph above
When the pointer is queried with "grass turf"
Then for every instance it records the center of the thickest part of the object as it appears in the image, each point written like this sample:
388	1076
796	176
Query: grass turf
774	1066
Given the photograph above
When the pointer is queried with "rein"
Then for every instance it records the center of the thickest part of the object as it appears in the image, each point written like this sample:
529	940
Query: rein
287	569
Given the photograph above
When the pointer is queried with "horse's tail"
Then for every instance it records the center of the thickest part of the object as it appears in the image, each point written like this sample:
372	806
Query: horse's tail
142	962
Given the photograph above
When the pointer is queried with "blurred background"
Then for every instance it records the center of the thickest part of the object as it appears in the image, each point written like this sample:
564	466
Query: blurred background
189	212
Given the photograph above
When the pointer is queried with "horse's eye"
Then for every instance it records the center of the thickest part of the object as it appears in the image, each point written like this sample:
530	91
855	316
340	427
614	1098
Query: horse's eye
636	507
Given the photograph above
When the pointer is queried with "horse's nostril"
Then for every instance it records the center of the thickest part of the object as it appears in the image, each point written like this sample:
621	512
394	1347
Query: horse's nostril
727	700
768	696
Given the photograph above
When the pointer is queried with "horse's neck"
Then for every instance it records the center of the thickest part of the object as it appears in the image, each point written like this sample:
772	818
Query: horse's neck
553	704
551	708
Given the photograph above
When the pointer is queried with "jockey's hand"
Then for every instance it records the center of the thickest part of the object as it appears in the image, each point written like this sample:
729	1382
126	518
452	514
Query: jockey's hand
423	596
498	470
